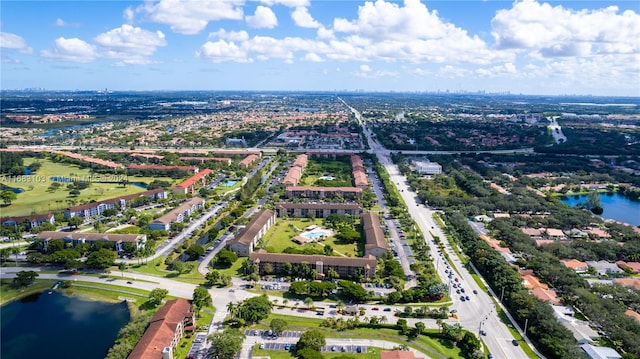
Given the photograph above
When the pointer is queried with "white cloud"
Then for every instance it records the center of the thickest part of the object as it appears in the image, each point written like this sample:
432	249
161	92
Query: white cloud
287	3
312	57
72	50
302	18
365	71
61	23
230	35
222	51
15	42
128	14
449	71
132	45
507	69
412	33
325	34
382	31
263	18
556	31
192	16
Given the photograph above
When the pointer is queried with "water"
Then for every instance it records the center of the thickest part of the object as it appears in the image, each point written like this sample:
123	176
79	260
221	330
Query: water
56	326
615	207
12	189
229	183
316	234
139	184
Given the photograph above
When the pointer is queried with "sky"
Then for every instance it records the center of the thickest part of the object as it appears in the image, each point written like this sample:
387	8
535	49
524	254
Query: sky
527	46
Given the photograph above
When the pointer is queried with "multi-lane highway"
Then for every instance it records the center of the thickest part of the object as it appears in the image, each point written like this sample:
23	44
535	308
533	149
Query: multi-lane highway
476	314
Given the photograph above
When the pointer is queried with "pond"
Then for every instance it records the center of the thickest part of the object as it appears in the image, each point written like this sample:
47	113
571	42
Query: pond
616	207
57	326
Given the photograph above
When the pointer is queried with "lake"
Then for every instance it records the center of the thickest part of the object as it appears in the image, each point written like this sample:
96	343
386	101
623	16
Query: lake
615	207
57	326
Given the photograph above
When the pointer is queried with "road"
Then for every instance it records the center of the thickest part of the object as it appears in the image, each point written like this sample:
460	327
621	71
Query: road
185	233
475	314
251	341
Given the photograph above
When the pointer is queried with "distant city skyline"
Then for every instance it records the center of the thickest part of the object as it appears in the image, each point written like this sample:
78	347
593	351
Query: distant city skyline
528	47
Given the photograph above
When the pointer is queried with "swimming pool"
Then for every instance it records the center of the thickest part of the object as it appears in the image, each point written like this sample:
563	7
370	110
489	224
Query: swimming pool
315	234
229	183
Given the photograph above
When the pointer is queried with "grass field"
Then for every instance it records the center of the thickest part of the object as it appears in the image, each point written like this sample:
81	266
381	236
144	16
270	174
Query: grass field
341	170
372	353
158	268
37	198
280	236
9	293
203	318
441	346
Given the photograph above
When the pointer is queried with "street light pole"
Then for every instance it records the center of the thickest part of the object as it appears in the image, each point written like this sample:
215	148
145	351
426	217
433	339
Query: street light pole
501	294
526	321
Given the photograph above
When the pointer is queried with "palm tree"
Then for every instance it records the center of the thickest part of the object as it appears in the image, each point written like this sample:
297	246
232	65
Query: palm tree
308	302
383	319
232	308
4	254
285	302
15	251
339	306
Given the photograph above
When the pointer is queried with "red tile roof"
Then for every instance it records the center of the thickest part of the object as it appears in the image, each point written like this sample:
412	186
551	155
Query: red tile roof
397	354
162	329
191	180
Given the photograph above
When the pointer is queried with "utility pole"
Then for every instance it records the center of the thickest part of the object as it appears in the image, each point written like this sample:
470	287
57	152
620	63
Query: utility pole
501	294
526	321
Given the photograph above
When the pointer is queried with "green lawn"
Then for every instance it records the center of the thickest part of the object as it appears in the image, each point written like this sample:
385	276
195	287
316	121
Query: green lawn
158	268
372	353
203	318
110	293
234	270
280	237
437	345
341	170
36	197
8	292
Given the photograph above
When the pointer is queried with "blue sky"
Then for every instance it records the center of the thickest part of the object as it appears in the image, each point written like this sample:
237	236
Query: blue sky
527	46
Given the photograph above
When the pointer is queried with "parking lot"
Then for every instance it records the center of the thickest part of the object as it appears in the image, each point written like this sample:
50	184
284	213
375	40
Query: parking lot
269	334
326	348
198	348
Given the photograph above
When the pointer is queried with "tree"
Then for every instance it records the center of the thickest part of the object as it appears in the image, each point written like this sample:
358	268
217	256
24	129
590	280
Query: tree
101	259
255	309
194	252
225	258
177	226
24	278
308	302
75	221
469	343
278	325
313	339
8	196
308	353
212	277
157	295
226	344
201	298
353	291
